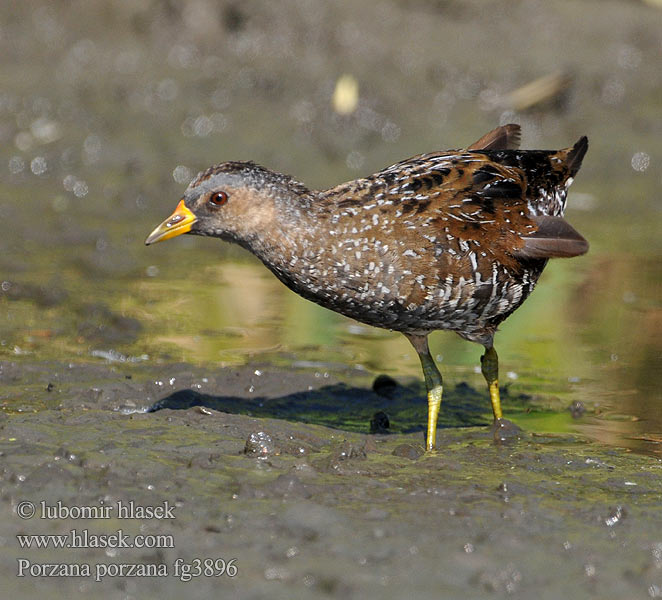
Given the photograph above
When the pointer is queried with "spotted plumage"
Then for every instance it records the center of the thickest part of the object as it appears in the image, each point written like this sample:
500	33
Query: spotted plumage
447	240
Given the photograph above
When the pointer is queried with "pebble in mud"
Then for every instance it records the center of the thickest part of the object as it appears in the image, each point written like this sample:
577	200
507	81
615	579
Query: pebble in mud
350	451
505	431
577	409
384	386
410	451
616	515
260	445
379	423
64	453
344	456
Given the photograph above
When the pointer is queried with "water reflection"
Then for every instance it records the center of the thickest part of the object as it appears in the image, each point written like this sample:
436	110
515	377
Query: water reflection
563	346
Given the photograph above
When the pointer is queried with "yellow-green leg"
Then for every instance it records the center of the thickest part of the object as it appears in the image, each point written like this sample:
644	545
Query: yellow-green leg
489	364
433	384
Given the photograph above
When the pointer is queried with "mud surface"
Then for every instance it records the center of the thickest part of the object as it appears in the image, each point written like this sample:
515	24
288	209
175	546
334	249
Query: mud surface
308	511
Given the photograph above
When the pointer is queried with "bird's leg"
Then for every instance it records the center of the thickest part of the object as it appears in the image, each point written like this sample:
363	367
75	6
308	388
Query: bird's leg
433	384
489	364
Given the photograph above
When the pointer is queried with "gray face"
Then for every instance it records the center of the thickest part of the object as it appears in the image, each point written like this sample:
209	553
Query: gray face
240	201
201	187
217	202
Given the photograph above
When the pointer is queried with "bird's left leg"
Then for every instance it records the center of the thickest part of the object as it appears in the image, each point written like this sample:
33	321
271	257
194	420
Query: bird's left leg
489	364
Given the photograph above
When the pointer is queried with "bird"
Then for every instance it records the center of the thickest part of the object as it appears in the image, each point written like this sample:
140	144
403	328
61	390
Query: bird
453	240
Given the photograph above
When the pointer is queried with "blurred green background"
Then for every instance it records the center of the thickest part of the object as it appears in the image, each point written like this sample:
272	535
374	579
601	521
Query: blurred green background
108	108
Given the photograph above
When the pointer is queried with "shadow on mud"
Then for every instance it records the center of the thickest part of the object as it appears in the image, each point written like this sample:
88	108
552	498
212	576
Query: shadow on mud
389	407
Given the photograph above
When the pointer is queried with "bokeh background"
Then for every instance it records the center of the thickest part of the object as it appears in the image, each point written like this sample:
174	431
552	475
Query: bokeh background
108	108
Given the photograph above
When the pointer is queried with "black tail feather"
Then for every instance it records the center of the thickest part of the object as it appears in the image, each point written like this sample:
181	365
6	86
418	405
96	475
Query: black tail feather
576	155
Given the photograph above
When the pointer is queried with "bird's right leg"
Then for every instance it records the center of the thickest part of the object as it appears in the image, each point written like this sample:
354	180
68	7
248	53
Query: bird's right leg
433	384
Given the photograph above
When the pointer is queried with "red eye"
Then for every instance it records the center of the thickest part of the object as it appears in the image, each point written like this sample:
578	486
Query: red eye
218	199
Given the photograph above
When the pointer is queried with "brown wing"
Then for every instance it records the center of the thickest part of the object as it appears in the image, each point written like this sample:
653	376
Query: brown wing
506	137
477	202
468	205
462	203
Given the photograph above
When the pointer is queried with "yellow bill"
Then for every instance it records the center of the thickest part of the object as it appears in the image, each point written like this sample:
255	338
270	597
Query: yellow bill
177	223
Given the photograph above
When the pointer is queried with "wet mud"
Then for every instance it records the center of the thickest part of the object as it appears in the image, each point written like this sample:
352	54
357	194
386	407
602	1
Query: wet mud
312	511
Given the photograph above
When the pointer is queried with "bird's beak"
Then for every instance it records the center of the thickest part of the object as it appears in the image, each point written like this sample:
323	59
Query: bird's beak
177	223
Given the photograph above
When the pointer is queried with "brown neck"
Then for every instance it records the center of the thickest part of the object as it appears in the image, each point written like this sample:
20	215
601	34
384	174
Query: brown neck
282	229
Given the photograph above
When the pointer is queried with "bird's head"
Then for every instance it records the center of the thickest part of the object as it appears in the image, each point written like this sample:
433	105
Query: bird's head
235	201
